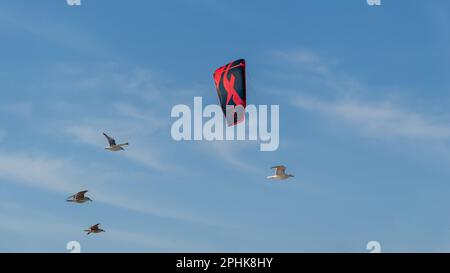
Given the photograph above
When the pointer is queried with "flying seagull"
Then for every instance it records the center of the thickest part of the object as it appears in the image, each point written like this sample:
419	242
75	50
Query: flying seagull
94	229
79	197
280	173
112	144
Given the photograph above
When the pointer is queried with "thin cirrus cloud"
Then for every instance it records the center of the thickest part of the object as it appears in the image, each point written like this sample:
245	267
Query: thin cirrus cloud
305	59
19	218
378	119
345	103
62	176
40	171
53	32
232	154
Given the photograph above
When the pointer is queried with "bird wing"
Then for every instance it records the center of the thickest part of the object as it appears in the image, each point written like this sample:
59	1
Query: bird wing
111	140
80	195
280	169
72	196
95	227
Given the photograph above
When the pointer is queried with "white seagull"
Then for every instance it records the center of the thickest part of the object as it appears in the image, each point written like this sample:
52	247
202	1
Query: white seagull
79	197
112	144
280	173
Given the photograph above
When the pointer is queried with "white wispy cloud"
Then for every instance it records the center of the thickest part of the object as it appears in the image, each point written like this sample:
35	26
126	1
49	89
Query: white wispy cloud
57	33
378	119
66	177
111	80
86	134
347	101
306	60
231	153
151	117
19	218
37	171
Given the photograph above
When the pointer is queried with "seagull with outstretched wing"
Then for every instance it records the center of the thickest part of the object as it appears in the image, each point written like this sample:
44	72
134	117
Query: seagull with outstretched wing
79	197
94	229
112	144
280	173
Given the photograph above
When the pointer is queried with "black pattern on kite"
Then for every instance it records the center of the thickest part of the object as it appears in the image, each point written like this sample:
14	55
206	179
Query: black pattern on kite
231	90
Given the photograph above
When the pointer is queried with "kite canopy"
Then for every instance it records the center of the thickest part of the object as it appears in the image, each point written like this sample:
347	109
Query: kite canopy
230	85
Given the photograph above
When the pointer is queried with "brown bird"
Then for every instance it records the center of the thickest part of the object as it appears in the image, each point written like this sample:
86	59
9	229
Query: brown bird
94	229
79	197
280	173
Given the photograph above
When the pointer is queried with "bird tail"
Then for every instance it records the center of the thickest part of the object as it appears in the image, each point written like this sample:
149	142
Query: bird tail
88	231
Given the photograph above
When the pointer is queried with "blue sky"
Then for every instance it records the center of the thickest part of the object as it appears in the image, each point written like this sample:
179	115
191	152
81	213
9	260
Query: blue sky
364	126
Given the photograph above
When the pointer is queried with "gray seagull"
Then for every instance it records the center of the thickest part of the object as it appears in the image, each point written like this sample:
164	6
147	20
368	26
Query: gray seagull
112	144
